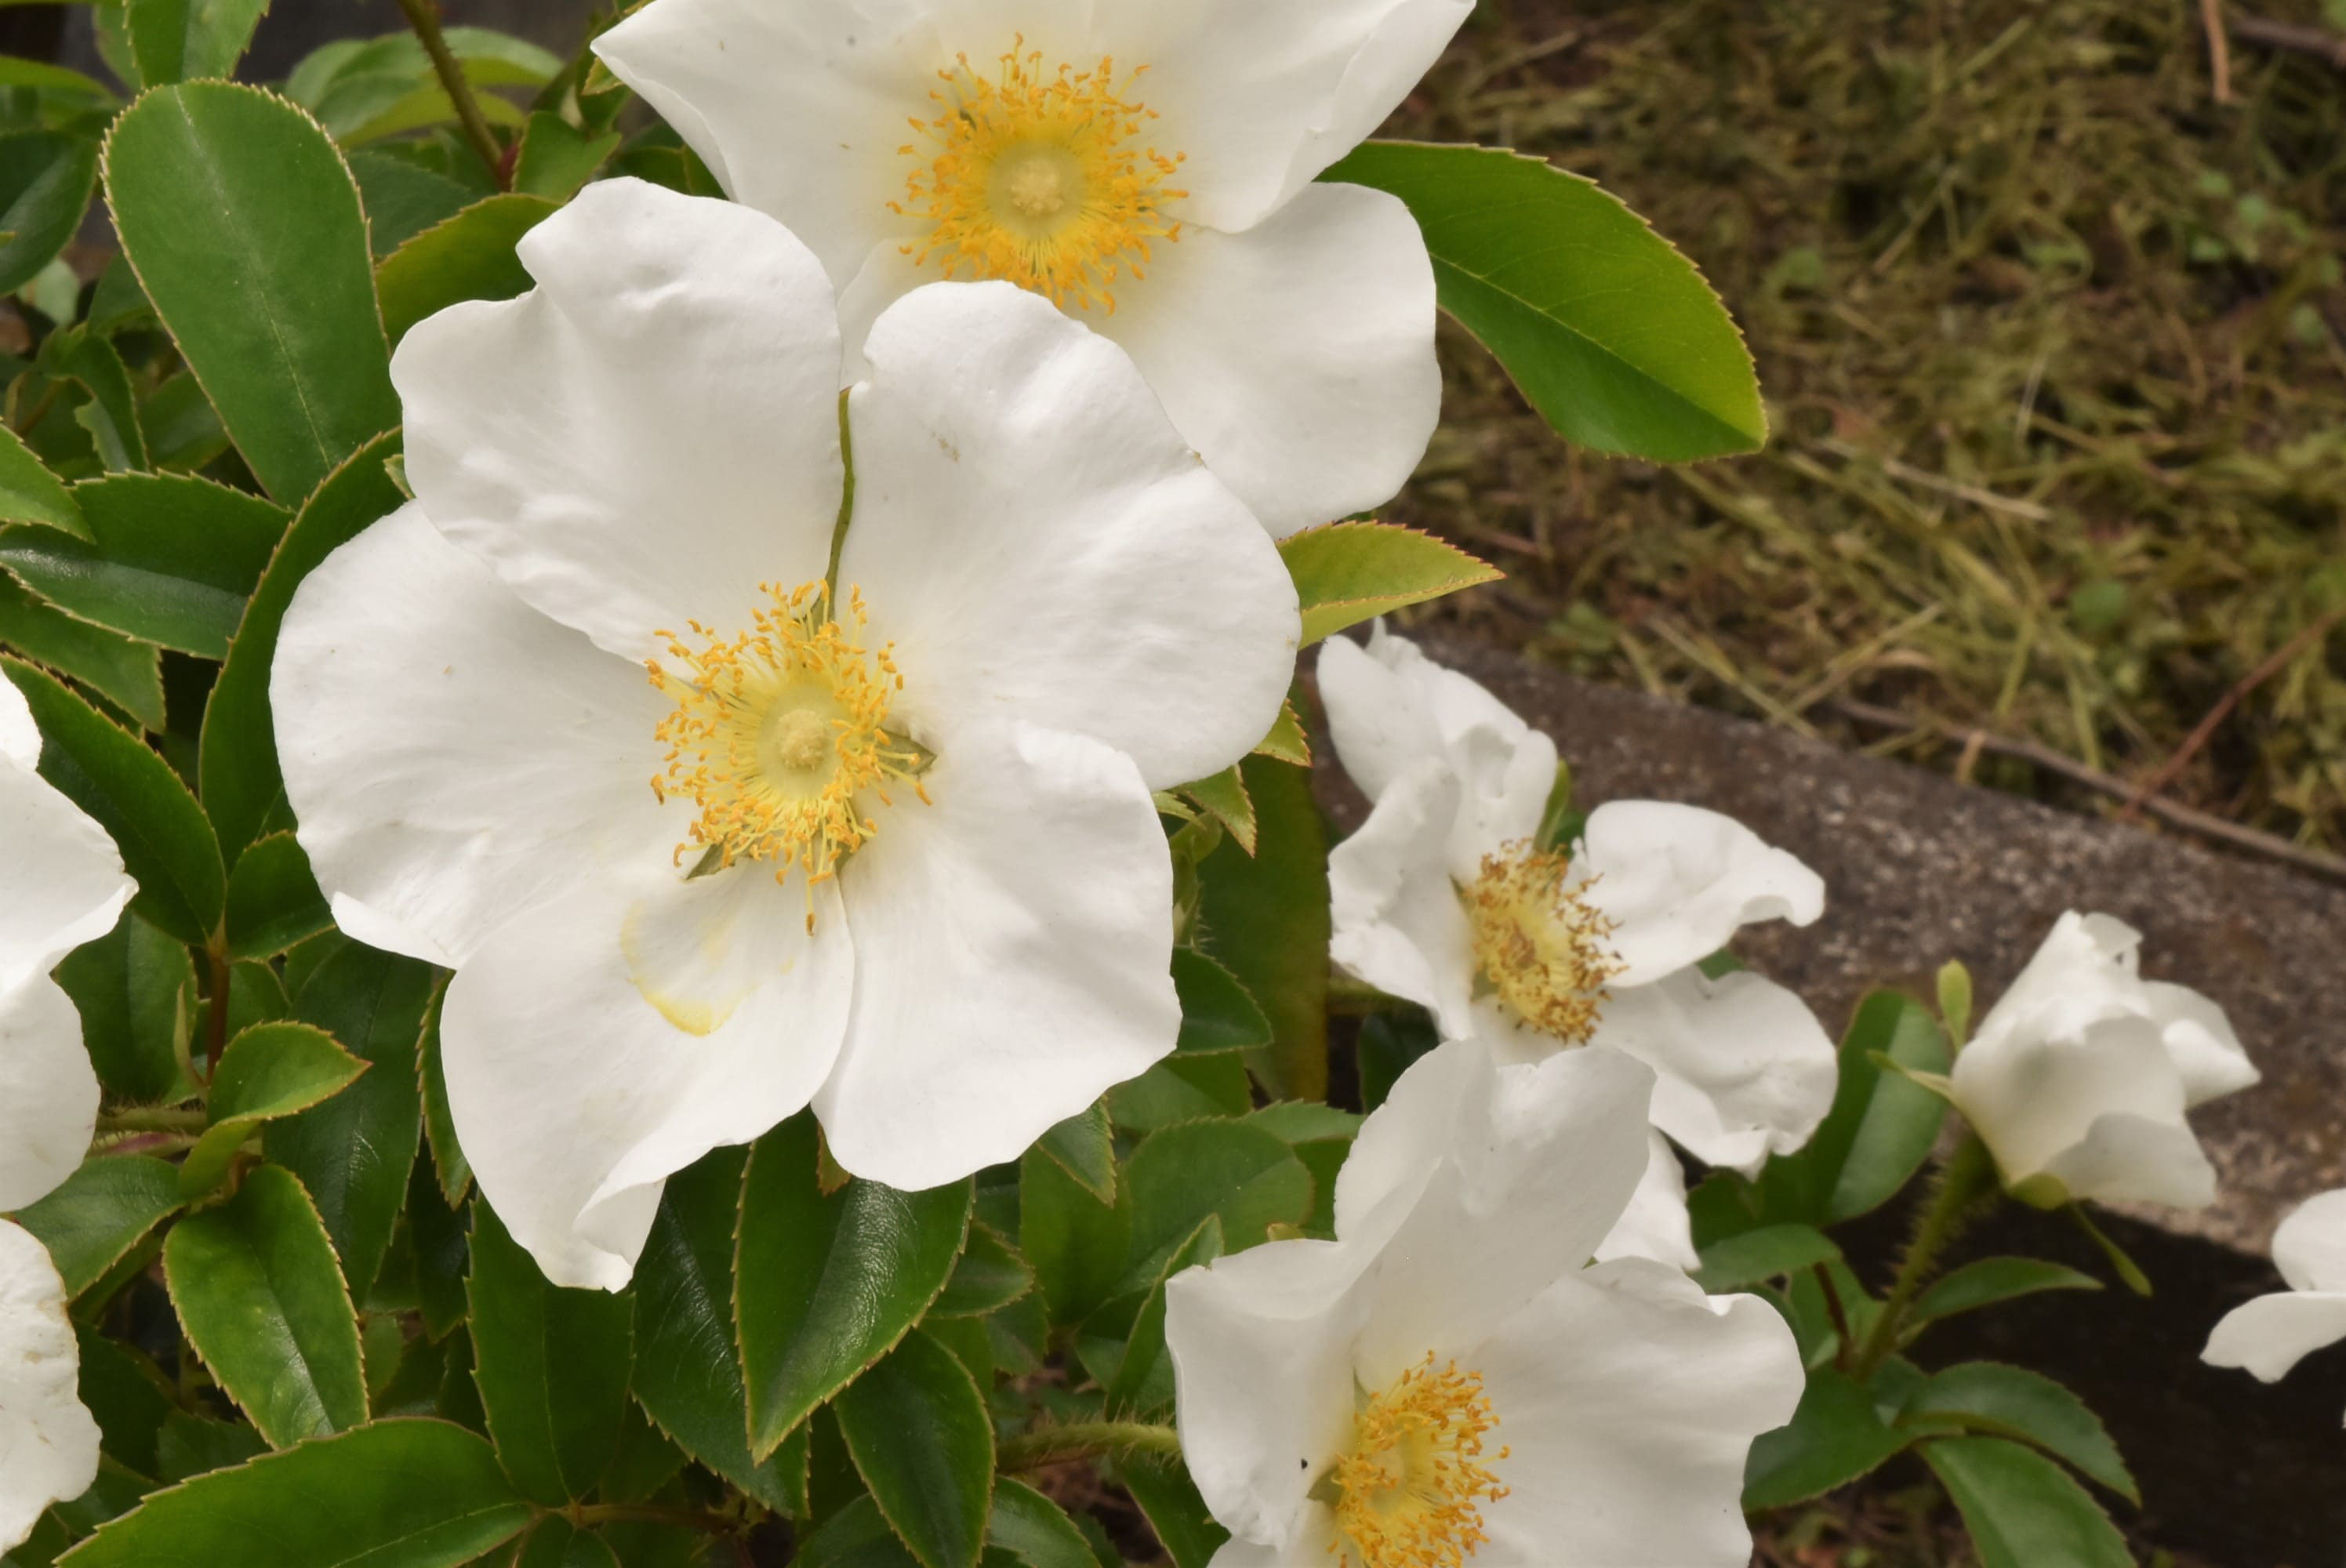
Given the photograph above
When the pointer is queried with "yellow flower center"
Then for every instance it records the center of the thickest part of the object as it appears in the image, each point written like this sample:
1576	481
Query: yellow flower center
1037	177
1408	1493
778	731
1538	943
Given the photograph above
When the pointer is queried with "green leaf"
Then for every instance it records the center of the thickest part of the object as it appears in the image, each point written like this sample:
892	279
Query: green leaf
245	228
556	157
238	761
1771	1252
2014	1402
558	1544
1240	1172
395	1494
1347	572
126	673
1183	1089
469	257
166	843
825	1285
127	1395
104	1210
449	1165
1225	796
402	198
1882	1126
989	1275
29	493
269	1070
261	1298
173	558
1085	1148
1143	1379
857	1536
44	77
1993	1279
1835	1436
2022	1511
2129	1271
1389	1045
1073	1241
273	899
917	1428
553	1366
47	178
1036	1530
364	89
173	40
1169	1500
354	1152
1217	1012
687	1365
111	414
1611	333
132	987
1286	741
1266	920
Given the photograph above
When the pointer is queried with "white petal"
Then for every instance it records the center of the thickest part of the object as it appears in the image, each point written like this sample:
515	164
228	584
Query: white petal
1297	357
1680	881
651	433
1399	1146
1044	548
1656	1225
49	1443
1261	1349
66	885
2083	972
1746	1071
20	738
1398	923
2272	1333
1261	97
454	756
48	1094
1628	1403
599	1044
1012	944
1538	1168
2310	1247
2201	1038
800	109
2136	1159
2040	1102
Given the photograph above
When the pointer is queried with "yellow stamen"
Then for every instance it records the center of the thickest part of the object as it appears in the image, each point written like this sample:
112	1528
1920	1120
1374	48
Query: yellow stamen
777	732
1408	1493
1036	176
1538	943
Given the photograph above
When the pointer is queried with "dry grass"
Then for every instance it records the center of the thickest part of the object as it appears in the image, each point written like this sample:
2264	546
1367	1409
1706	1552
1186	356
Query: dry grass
2053	345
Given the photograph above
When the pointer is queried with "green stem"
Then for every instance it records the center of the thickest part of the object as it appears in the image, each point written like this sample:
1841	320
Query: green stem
846	504
1085	1440
423	17
216	1025
646	1513
143	1119
1967	1176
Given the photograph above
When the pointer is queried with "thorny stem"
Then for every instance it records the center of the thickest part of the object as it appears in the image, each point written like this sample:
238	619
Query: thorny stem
1085	1440
423	17
145	1119
1968	1175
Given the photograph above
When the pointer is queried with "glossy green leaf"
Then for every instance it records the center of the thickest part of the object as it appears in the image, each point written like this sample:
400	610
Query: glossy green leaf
1183	1089
558	1544
1993	1279
552	1365
354	1152
362	89
556	157
269	1070
133	987
1243	1173
857	1536
1836	1436
688	1363
1036	1530
175	40
396	1494
1143	1379
825	1285
469	257
1610	333
449	1165
1266	920
172	562
125	672
2022	1510
111	412
47	178
1169	1499
128	1396
1771	1252
1075	1242
989	1275
402	198
29	493
1085	1146
1347	572
2014	1402
1225	796
260	1295
239	761
44	77
246	230
273	899
1217	1012
916	1426
166	843
1881	1128
1286	741
104	1210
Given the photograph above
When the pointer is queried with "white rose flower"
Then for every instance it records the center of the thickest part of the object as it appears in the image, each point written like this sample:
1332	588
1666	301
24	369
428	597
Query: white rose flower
2272	1333
64	886
1147	166
2078	1080
1444	898
893	854
1450	1380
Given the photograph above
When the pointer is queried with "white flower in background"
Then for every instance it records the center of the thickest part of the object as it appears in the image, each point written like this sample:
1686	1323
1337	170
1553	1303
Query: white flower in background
895	856
64	885
1444	898
1450	1380
1147	165
2272	1333
2079	1078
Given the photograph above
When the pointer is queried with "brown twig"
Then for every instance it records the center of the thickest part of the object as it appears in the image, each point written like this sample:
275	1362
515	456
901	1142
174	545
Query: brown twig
2197	742
423	17
2207	826
2319	42
2220	49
